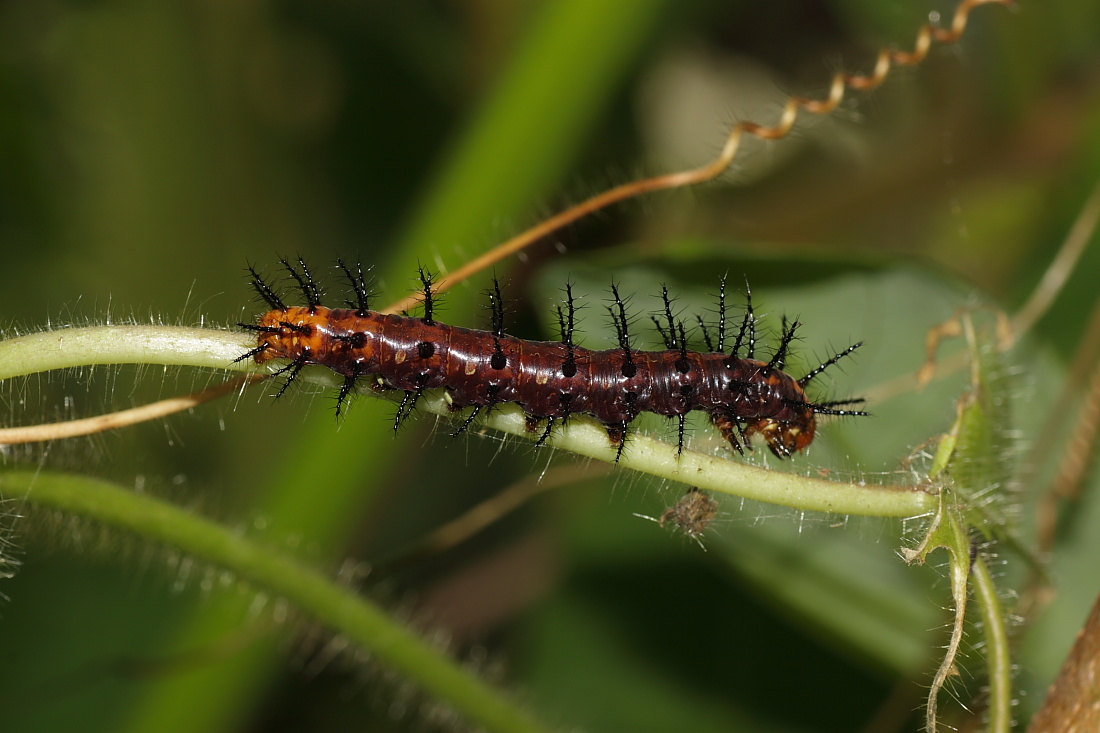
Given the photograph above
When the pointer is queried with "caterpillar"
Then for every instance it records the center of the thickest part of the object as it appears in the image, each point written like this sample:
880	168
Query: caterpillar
550	381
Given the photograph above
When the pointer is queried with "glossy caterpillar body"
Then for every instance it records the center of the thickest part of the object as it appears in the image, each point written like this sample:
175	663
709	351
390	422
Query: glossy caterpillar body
548	380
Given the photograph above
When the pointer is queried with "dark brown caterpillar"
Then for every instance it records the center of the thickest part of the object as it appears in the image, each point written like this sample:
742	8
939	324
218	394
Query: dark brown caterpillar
548	380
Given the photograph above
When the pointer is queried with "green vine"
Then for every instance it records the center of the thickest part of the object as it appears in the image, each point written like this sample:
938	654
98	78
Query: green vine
173	346
342	610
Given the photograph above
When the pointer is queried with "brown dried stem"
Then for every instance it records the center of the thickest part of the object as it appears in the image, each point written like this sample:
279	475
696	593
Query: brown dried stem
1073	702
122	418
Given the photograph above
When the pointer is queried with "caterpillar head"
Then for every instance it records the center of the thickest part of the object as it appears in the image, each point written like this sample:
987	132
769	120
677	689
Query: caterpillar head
784	438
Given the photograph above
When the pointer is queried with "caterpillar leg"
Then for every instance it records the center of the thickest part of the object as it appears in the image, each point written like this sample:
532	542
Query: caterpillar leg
730	430
617	435
465	423
546	432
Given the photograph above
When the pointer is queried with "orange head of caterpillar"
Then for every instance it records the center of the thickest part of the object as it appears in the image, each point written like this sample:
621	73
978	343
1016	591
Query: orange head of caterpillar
793	428
784	438
789	422
776	406
790	425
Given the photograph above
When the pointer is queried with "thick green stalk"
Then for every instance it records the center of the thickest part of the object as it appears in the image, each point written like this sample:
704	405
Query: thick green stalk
341	610
196	347
997	653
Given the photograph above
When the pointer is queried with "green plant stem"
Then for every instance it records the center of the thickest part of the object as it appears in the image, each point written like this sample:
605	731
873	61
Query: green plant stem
997	653
169	345
130	344
714	473
338	608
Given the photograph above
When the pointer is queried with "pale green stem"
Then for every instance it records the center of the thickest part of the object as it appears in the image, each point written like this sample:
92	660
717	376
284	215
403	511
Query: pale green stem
997	654
340	609
135	344
169	345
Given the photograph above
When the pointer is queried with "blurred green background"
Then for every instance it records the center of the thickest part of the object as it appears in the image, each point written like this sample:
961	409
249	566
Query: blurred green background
149	151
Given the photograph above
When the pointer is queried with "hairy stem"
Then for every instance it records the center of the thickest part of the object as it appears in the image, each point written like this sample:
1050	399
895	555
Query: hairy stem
997	652
98	345
340	609
167	345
